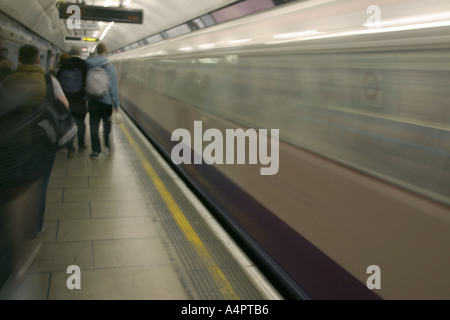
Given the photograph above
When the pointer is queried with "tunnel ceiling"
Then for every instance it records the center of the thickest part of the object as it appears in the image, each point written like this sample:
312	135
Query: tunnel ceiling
42	17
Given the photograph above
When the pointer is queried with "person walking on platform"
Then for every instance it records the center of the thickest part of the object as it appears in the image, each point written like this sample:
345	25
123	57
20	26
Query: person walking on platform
102	93
26	157
25	89
64	56
72	77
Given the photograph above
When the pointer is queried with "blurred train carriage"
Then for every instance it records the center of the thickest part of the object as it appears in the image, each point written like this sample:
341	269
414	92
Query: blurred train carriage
363	113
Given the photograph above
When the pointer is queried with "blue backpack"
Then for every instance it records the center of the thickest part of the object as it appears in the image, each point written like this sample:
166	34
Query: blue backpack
71	80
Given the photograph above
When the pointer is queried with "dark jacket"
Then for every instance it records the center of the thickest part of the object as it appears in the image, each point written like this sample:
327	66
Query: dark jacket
77	104
4	72
5	68
24	147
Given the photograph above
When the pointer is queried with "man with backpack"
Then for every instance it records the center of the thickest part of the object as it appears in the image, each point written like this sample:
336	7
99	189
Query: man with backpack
26	158
28	155
72	77
102	93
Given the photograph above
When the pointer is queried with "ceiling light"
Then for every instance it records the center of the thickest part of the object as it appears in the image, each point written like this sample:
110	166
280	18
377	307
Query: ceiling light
106	30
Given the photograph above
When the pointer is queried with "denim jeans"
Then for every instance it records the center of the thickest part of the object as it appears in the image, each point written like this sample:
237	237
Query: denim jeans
79	120
99	111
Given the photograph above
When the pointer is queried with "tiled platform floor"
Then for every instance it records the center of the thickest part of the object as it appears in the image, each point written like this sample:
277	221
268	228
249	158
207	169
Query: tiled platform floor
101	218
98	218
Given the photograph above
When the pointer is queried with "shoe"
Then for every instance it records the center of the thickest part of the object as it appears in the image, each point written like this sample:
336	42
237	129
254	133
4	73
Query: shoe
94	155
71	154
82	148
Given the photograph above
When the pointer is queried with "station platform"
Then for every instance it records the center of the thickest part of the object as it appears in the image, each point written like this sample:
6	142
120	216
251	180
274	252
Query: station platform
135	231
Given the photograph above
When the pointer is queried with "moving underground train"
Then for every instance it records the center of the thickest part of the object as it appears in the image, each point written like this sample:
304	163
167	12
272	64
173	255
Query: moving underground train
319	134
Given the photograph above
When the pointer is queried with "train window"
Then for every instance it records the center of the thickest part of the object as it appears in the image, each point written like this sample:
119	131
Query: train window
199	23
177	31
155	38
208	20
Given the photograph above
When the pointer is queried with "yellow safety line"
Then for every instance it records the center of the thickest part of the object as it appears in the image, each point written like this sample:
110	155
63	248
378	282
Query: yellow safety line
220	279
